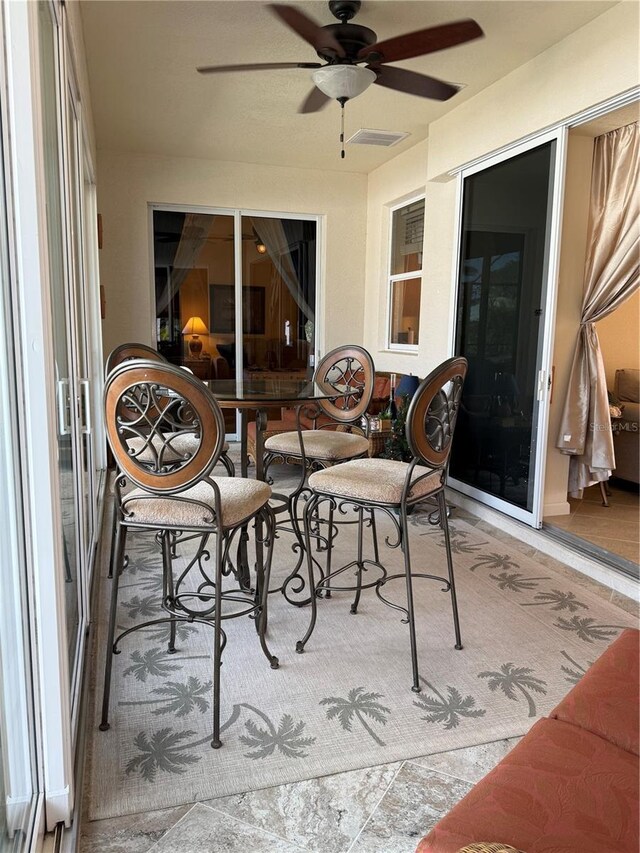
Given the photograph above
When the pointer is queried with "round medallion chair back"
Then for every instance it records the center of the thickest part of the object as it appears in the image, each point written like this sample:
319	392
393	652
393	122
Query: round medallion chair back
433	413
395	488
346	374
144	445
166	448
125	352
164	405
347	366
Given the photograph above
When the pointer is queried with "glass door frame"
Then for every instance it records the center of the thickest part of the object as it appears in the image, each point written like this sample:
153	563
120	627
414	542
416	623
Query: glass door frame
237	214
533	518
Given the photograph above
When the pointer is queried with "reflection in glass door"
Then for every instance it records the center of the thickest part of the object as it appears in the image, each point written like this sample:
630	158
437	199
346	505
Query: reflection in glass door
203	261
278	296
500	325
62	320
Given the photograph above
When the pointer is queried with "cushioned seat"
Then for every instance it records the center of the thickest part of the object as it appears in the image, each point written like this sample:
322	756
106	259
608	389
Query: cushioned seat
240	499
376	480
606	701
560	790
180	447
319	444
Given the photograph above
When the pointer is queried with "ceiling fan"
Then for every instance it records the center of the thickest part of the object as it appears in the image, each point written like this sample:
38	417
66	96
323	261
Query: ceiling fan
354	58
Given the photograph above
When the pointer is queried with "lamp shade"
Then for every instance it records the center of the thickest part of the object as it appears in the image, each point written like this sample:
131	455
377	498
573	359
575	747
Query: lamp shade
195	326
343	81
408	386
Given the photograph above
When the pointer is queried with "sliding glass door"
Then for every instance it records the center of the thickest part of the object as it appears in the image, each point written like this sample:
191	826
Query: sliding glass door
235	293
506	288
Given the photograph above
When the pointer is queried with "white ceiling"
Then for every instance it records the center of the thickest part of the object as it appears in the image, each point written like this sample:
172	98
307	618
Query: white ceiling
147	97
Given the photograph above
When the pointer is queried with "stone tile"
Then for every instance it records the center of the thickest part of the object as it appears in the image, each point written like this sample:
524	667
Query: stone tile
613	513
319	814
134	833
470	763
626	550
628	604
203	830
414	803
604	527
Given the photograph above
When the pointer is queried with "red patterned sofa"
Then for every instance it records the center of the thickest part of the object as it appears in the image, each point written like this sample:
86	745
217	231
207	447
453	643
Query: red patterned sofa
571	784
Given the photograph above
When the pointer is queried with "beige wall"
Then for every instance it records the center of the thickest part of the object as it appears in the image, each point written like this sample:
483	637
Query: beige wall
619	335
570	289
128	183
589	66
595	63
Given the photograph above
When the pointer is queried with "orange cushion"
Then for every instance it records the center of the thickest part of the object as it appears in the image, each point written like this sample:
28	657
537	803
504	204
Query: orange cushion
606	701
560	790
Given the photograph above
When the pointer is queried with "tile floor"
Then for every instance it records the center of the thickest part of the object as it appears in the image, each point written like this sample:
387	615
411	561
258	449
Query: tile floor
615	528
383	809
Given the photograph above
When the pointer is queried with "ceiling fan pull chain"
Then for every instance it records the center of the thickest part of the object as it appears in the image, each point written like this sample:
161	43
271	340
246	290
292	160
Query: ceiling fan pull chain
342	103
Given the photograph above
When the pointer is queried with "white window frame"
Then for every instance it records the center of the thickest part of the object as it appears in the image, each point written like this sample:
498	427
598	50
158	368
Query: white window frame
405	276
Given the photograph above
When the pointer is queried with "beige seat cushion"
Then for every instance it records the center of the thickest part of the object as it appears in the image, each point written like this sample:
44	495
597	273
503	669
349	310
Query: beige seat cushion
319	444
240	499
378	480
181	447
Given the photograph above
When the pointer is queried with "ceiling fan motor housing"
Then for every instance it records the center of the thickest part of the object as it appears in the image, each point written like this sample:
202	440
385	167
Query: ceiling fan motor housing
352	37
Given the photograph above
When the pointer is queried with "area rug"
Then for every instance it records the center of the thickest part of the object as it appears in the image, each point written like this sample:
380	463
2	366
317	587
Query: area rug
529	634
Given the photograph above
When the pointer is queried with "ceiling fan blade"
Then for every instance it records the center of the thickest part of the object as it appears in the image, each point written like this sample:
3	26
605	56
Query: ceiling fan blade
307	29
414	84
314	101
423	41
256	66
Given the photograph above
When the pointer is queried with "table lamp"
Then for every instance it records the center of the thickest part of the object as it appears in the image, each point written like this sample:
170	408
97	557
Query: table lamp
195	327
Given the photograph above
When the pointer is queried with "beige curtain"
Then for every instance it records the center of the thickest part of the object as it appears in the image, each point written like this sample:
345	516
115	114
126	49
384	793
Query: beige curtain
195	231
612	274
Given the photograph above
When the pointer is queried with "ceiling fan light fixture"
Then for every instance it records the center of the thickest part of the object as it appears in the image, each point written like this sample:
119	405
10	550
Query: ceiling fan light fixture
343	81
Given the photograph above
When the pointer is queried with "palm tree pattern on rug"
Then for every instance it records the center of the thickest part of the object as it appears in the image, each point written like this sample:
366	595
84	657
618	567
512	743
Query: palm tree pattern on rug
573	676
556	600
449	711
461	540
517	582
358	706
156	662
175	690
165	749
511	678
494	561
180	698
587	630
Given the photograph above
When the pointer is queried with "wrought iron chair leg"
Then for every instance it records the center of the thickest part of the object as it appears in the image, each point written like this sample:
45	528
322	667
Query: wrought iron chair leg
374	535
264	573
114	529
327	588
444	520
356	601
228	464
168	551
216	743
411	618
308	510
121	535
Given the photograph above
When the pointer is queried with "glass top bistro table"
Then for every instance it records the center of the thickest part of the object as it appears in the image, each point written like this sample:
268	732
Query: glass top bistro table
263	394
260	394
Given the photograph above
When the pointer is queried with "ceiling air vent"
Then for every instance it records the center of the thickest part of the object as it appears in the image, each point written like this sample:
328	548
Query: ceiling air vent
385	138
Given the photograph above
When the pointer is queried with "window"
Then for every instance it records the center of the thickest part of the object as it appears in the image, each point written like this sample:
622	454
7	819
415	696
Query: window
405	276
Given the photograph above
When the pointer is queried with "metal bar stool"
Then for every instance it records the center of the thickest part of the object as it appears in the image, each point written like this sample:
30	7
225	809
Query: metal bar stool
395	487
127	352
331	441
170	496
